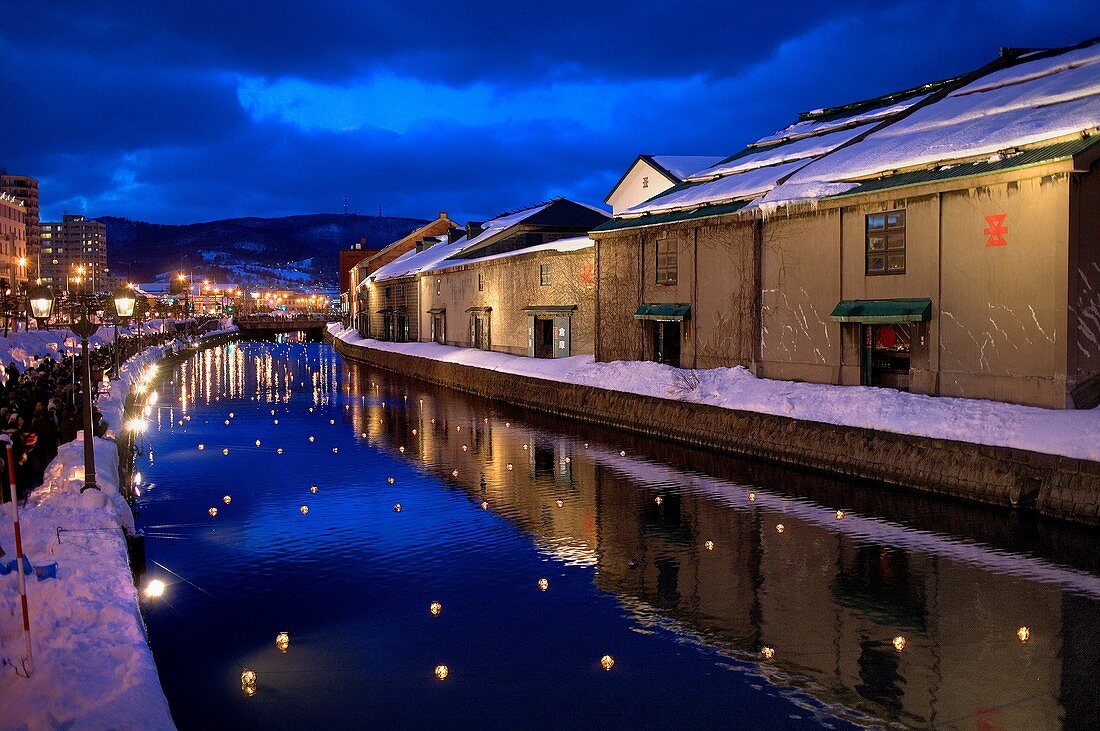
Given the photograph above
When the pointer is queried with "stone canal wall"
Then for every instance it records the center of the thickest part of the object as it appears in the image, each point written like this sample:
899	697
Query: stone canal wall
1057	486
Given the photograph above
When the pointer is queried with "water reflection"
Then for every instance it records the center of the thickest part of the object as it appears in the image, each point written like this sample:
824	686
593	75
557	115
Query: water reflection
894	622
547	545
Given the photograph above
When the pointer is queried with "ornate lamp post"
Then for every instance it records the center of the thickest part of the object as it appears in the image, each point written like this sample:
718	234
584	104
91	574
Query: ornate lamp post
40	302
85	328
124	300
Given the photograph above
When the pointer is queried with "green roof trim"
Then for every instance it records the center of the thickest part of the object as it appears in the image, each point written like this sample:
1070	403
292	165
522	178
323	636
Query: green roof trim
1027	158
663	312
881	312
658	219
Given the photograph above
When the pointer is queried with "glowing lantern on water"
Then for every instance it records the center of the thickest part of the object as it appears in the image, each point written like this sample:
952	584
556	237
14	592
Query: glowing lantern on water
226	451
257	442
465	448
441	672
227	499
414	432
276	422
213	512
779	528
767	652
607	662
363	434
752	497
282	641
586	445
279	450
397	507
561	503
227	422
622	453
1023	634
544	584
391	480
154	589
525	447
336	450
508	424
659	500
484	505
401	450
332	421
304	509
248	678
202	447
311	438
510	468
840	515
899	643
313	489
435	608
709	545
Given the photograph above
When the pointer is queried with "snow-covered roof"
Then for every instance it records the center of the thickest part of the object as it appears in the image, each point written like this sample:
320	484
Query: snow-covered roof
575	243
682	167
414	262
1031	102
746	184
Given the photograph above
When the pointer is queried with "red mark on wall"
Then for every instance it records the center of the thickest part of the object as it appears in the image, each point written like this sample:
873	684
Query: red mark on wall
587	274
996	230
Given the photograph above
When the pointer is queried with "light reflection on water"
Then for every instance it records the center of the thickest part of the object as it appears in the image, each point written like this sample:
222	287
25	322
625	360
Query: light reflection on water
628	575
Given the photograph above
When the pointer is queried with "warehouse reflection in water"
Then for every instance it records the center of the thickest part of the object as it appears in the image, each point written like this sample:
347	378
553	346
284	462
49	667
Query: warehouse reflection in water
863	603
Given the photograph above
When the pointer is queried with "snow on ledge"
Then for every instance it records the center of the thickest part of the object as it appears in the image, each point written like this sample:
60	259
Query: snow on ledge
1067	433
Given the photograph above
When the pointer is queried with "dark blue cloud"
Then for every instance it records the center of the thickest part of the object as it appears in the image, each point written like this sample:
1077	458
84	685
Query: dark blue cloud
188	111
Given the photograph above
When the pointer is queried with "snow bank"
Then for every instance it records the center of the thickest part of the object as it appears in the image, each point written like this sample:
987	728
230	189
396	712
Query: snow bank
92	663
1062	432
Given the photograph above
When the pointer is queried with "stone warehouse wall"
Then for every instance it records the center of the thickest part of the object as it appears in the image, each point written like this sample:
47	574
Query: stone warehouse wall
1056	486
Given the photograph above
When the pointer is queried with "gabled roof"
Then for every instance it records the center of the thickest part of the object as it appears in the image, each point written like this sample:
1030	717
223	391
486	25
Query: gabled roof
552	213
440	225
674	168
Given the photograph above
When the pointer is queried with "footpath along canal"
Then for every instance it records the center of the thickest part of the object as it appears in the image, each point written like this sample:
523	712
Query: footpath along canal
398	532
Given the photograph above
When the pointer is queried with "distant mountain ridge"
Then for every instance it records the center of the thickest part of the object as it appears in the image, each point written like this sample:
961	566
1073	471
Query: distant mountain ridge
252	251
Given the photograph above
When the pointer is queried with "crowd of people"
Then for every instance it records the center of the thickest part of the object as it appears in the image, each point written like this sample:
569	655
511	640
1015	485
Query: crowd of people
42	407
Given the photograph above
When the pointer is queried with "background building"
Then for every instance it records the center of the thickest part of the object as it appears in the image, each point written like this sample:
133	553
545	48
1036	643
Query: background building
13	243
25	189
74	252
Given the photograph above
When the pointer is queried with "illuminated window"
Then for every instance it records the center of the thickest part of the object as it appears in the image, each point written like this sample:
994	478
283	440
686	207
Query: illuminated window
886	243
544	275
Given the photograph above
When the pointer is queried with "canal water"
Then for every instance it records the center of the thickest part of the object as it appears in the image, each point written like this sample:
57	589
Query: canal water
727	593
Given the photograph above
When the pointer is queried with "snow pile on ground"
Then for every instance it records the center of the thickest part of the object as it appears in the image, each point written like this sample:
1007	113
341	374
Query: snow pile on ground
1062	432
92	665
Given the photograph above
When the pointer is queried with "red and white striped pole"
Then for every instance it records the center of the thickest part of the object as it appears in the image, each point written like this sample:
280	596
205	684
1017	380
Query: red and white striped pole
19	552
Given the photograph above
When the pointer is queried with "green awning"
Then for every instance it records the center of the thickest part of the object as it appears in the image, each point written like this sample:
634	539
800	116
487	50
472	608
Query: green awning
882	311
437	311
663	312
549	309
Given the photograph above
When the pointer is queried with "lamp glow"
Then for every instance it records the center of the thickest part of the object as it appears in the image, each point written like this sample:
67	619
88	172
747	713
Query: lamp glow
391	480
779	528
510	468
202	447
709	545
560	503
752	497
304	509
313	489
659	500
401	450
226	451
441	672
1023	634
282	641
227	499
154	589
213	512
607	662
840	515
899	643
397	507
767	652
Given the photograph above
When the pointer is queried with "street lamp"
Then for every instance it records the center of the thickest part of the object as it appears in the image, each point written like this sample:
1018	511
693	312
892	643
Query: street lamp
40	301
124	300
85	328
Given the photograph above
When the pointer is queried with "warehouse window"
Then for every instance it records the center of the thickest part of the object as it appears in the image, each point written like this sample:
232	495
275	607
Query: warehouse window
666	261
886	243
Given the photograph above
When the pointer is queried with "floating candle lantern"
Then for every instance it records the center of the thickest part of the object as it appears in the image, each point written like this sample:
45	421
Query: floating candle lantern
767	652
441	672
607	662
435	608
304	509
544	584
282	641
213	512
227	499
1023	634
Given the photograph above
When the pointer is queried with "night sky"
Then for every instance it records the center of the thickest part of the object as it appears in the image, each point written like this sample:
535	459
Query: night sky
182	111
